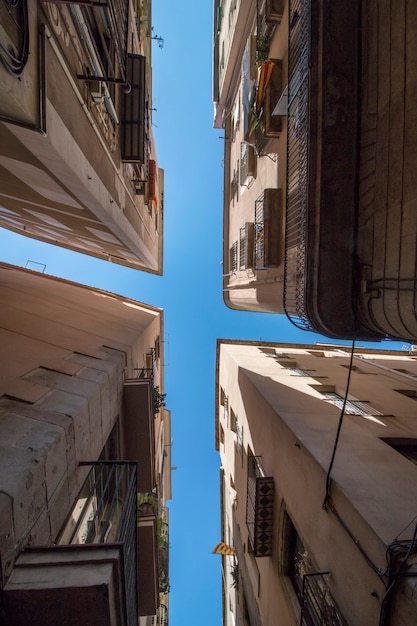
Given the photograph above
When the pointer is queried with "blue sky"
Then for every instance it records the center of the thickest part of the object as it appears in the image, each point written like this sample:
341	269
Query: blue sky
190	292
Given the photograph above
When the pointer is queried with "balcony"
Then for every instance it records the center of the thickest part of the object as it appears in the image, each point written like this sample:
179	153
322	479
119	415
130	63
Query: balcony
321	200
259	508
265	127
148	568
268	229
317	604
102	29
89	576
138	427
135	133
269	15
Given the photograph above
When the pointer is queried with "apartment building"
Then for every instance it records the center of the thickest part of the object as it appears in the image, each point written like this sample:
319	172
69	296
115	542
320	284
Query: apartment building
78	165
85	455
318	476
251	39
316	103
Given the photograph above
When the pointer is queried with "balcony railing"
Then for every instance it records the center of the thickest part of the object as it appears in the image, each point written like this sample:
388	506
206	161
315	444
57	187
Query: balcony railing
259	508
102	28
105	511
317	604
269	14
297	163
135	126
268	229
246	245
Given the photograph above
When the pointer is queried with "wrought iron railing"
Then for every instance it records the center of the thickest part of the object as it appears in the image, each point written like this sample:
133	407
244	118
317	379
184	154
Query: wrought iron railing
296	229
102	27
243	248
233	257
259	232
317	604
259	508
263	32
105	511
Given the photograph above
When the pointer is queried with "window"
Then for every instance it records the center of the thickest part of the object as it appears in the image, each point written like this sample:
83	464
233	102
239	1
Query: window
298	371
352	407
233	257
247	162
236	118
356	369
239	438
234	187
233	420
405	446
226	410
410	393
309	585
293	368
408	372
295	561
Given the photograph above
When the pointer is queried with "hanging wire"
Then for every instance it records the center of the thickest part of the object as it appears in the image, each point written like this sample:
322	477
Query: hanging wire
339	428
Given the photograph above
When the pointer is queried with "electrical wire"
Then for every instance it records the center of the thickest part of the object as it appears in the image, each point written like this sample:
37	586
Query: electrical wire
339	428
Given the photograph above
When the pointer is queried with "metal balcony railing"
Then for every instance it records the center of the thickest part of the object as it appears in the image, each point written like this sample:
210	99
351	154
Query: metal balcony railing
259	232
105	511
259	508
102	26
317	604
296	237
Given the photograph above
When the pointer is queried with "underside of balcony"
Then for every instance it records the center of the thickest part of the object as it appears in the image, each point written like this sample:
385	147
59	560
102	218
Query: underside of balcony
351	225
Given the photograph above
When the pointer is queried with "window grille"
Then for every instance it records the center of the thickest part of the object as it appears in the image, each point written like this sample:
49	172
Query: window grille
233	257
226	410
234	186
239	437
352	407
247	162
298	371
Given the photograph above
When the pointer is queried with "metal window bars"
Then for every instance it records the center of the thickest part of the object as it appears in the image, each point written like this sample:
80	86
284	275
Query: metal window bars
105	511
317	604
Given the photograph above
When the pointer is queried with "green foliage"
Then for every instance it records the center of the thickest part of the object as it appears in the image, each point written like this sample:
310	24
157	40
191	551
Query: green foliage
158	400
235	575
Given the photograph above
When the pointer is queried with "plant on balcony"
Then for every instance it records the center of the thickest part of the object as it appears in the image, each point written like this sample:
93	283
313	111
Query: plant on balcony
235	575
164	585
147	504
161	535
158	400
262	48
